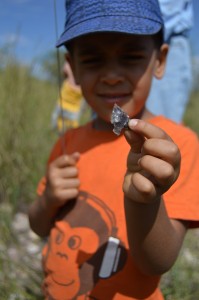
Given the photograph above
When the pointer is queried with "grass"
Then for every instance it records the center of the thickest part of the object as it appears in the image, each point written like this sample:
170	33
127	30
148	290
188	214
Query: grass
181	282
191	115
25	142
26	136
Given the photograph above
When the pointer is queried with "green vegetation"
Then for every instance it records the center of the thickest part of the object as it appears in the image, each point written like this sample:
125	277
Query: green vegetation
25	141
26	138
191	116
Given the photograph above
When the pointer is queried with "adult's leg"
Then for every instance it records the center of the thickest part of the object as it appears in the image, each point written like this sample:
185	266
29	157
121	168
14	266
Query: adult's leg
170	95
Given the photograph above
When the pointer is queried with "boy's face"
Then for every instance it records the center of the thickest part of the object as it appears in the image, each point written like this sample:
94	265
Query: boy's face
115	68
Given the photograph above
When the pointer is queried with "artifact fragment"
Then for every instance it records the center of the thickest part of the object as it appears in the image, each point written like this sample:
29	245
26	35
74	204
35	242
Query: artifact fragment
119	119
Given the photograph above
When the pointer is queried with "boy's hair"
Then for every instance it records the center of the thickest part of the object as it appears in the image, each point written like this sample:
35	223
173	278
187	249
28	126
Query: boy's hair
142	17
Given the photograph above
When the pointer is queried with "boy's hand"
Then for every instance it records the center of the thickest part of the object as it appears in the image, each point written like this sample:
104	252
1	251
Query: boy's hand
62	180
153	163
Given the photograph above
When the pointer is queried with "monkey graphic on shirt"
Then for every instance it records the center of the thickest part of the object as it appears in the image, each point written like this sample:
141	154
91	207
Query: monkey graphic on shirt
83	249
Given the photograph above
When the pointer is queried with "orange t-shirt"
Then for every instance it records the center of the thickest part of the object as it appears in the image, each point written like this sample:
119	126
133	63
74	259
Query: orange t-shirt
87	255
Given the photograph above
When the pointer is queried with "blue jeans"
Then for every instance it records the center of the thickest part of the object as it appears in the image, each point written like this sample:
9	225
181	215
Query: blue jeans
170	95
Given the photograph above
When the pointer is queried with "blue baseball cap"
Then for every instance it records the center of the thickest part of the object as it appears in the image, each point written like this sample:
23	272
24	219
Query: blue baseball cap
141	17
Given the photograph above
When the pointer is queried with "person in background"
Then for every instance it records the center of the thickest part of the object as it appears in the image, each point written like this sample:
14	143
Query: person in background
116	208
70	105
170	96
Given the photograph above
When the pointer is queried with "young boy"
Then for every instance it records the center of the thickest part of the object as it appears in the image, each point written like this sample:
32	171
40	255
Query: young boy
116	208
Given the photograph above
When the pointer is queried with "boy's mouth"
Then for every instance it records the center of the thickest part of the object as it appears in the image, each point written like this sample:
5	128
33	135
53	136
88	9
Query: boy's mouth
115	98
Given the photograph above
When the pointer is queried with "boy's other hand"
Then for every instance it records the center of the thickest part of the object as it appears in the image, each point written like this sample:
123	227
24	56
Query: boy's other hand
62	180
153	163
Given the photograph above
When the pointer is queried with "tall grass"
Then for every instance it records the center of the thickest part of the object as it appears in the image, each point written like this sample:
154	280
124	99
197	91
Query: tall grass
26	106
26	138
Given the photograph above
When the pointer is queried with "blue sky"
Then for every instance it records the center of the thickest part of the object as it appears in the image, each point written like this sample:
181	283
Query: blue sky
30	25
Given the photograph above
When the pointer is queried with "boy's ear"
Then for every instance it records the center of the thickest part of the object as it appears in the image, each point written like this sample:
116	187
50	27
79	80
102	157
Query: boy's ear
71	63
161	61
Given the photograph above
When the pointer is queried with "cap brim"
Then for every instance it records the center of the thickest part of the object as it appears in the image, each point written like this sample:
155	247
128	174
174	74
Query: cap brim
128	25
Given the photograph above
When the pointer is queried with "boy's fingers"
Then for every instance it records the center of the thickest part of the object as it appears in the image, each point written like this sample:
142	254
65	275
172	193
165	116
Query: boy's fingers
69	172
135	140
69	183
147	130
139	131
163	149
76	156
68	194
66	160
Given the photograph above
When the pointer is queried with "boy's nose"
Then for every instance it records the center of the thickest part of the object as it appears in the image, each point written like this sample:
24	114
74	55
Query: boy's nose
112	75
112	79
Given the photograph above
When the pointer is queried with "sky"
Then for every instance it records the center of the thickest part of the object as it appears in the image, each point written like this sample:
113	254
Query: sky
30	25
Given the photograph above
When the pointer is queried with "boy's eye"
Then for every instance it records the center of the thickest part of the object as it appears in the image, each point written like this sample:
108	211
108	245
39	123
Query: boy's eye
133	57
90	60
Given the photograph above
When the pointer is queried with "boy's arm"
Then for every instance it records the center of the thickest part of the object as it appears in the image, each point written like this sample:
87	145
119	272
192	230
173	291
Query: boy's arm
41	216
62	185
153	165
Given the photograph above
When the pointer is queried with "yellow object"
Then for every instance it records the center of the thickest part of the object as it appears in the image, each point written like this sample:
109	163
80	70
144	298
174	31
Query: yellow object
69	107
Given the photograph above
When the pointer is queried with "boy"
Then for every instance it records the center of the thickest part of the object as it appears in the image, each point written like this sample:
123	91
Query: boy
116	208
